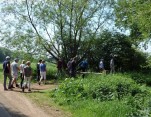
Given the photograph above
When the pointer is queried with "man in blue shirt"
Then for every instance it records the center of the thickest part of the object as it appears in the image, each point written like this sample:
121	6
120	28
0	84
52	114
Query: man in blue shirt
42	72
83	66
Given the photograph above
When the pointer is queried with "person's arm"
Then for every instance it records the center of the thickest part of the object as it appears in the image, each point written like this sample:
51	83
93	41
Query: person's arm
9	68
30	71
45	67
17	67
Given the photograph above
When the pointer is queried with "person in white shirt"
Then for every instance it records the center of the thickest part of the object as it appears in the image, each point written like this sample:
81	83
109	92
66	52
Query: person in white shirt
112	66
101	65
22	65
14	72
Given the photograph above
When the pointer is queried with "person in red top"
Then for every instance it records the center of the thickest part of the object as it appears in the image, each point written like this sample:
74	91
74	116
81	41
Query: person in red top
59	67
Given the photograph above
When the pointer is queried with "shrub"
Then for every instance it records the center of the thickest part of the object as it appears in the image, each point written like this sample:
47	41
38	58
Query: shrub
103	89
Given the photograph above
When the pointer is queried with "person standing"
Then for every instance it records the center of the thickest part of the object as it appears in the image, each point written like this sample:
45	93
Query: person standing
101	65
14	71
27	76
73	67
7	73
59	67
69	67
38	70
112	66
83	66
42	72
22	65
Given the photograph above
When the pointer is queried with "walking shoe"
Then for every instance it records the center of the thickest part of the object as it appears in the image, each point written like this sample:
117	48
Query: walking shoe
9	87
29	90
5	89
39	83
12	86
23	89
17	85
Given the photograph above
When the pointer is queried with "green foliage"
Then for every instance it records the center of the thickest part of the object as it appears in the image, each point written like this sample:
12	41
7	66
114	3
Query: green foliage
134	15
107	43
104	89
3	53
55	27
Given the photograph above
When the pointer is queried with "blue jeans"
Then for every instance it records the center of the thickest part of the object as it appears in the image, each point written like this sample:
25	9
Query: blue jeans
5	80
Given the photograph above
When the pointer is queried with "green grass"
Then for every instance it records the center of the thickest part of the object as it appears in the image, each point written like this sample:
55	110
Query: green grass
104	96
1	74
96	96
92	108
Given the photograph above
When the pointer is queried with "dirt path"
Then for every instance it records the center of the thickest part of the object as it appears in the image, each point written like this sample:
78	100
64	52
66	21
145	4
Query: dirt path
15	104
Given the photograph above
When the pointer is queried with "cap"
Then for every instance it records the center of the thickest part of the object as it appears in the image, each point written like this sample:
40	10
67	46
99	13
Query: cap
7	58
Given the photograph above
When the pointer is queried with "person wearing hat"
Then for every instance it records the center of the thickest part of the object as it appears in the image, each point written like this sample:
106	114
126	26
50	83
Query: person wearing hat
27	76
7	73
14	70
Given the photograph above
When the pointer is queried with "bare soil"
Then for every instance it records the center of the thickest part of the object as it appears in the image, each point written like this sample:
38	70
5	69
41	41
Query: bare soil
18	105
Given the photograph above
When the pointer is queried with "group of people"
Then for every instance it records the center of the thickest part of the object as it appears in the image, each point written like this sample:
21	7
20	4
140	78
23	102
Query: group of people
11	71
72	67
112	66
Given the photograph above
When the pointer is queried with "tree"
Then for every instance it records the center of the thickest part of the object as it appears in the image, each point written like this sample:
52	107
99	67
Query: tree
3	53
117	44
135	16
57	26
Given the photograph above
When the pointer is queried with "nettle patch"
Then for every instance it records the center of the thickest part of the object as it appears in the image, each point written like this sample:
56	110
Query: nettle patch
108	88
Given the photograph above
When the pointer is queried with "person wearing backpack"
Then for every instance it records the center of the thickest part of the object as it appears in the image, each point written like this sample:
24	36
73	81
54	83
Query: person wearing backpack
7	73
83	65
27	76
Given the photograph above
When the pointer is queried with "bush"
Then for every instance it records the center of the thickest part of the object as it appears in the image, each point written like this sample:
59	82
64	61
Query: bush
103	89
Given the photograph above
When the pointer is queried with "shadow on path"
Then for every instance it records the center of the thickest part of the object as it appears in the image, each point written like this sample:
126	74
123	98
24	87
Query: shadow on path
7	112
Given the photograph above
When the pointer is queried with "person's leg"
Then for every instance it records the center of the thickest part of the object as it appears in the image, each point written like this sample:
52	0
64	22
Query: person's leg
5	78
44	76
29	80
10	80
41	74
24	83
38	75
16	81
22	79
83	70
111	70
16	77
13	80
